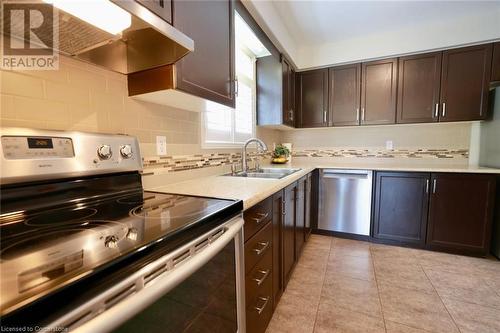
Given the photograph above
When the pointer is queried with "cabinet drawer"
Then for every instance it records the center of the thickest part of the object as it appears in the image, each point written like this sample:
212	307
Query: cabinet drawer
257	216
258	246
257	278
260	309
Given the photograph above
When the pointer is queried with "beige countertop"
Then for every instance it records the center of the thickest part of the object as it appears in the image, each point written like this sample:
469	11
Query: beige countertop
253	190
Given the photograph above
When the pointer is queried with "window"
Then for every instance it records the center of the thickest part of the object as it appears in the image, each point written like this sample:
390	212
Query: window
227	127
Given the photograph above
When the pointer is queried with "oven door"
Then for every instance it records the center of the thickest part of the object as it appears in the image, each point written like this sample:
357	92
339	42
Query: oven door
196	288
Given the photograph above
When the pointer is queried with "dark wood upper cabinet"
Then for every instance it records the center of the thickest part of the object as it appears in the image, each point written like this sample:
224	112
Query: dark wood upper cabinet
162	8
312	90
378	92
288	92
465	78
289	231
418	88
300	214
269	76
345	95
495	64
208	71
400	207
460	212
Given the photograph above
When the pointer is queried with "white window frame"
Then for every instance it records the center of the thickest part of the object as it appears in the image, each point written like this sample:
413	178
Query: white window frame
242	78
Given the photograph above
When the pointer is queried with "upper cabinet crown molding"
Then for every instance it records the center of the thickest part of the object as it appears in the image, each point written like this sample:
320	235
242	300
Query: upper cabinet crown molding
208	71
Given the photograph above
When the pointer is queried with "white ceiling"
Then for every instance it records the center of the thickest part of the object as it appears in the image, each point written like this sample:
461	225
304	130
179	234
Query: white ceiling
320	25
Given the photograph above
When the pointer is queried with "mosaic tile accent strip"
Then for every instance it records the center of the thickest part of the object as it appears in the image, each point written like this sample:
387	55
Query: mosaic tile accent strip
382	153
198	161
188	162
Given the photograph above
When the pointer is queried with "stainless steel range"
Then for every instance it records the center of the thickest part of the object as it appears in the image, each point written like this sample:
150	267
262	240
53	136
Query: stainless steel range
84	247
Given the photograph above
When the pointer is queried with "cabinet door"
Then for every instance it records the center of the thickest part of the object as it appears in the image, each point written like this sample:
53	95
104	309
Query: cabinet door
378	92
288	93
308	205
313	98
345	94
208	71
400	206
270	108
278	214
418	88
300	214
162	8
495	64
289	232
464	83
460	212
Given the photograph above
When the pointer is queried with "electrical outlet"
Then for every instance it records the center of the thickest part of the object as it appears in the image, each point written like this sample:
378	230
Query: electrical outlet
161	145
389	145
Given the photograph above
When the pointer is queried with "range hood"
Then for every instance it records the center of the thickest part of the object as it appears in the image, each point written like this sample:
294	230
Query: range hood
149	42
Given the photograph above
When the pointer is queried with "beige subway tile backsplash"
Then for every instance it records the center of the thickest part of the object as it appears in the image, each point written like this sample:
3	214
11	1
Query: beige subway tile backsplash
83	97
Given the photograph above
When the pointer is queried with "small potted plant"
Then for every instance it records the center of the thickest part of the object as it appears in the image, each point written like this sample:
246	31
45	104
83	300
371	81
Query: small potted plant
280	154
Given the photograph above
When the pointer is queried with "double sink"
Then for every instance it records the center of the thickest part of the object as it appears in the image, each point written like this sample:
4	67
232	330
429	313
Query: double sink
271	173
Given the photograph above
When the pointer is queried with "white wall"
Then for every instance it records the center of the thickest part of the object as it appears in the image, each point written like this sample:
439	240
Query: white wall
439	35
489	149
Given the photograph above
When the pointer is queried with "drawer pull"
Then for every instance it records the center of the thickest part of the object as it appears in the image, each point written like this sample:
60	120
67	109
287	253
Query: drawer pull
261	308
261	217
264	245
263	278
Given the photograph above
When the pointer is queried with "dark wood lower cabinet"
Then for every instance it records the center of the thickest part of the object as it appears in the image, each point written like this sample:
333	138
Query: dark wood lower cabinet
300	215
270	251
450	212
400	207
460	212
278	215
289	231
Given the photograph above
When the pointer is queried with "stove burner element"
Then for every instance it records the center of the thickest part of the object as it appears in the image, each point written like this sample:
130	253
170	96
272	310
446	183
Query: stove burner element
135	200
61	217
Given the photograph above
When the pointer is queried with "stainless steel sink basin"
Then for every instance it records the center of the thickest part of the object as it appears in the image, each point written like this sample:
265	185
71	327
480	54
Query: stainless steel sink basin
271	173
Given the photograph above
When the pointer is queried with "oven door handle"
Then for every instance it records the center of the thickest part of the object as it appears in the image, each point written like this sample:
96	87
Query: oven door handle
124	310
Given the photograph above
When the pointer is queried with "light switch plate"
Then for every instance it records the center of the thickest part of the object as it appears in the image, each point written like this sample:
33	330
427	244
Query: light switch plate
389	145
161	145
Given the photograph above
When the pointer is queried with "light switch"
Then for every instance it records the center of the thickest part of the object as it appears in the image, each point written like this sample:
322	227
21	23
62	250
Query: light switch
161	145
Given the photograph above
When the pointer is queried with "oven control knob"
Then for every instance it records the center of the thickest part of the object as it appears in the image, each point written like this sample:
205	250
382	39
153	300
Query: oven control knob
104	152
132	234
126	151
111	242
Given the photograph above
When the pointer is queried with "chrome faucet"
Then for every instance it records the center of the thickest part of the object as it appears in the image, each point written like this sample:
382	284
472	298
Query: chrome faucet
260	144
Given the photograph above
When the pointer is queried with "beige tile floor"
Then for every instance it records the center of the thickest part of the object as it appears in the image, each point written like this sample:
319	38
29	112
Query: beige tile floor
349	286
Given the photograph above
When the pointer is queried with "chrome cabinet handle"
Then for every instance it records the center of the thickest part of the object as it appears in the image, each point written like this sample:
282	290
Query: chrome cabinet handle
324	116
443	113
427	186
263	278
363	114
264	245
290	113
283	207
357	114
261	308
436	110
236	88
434	181
262	217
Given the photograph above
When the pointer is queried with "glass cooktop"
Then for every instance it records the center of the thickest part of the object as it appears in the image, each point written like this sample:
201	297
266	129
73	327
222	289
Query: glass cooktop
43	249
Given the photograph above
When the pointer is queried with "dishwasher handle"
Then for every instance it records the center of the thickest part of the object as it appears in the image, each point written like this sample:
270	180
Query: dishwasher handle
357	174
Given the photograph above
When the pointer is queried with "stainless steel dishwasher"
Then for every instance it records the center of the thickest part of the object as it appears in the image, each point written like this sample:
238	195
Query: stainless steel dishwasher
345	201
